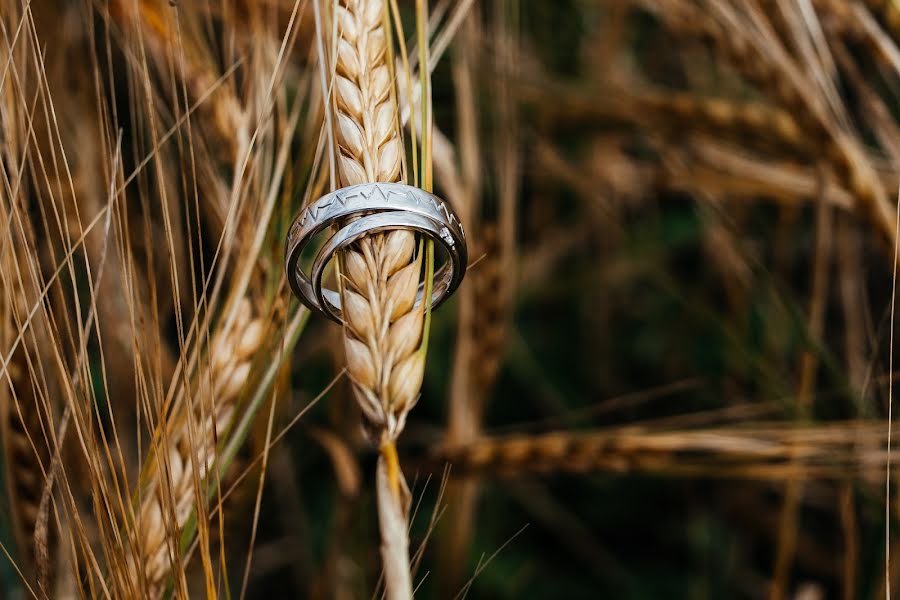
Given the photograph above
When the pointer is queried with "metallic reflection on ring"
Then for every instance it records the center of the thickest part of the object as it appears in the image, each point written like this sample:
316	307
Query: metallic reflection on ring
376	207
446	279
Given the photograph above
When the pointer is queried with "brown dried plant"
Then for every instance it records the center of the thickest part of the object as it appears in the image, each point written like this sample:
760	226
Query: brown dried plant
182	487
486	298
383	326
137	546
191	447
380	274
152	154
26	452
775	452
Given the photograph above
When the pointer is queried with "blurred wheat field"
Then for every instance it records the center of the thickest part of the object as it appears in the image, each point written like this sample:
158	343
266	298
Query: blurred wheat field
667	374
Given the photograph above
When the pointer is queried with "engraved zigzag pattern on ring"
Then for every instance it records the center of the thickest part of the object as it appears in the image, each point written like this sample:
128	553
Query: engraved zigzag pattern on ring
345	195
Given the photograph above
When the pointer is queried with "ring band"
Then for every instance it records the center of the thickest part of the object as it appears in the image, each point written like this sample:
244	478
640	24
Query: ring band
446	279
408	207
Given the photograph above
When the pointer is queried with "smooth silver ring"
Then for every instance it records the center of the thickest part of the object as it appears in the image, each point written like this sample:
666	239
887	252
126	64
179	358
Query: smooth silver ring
446	279
365	200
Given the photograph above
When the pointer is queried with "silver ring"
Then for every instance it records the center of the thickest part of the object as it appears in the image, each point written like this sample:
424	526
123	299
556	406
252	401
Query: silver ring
366	199
446	279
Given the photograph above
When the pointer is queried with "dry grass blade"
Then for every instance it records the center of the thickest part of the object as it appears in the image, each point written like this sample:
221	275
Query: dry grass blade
486	299
806	390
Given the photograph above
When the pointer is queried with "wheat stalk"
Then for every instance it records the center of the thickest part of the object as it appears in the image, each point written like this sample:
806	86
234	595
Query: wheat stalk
24	450
383	327
188	452
190	448
889	14
219	116
763	60
761	452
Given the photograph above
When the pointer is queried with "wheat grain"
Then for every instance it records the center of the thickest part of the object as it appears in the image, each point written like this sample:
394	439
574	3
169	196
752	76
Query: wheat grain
192	445
673	112
831	450
382	325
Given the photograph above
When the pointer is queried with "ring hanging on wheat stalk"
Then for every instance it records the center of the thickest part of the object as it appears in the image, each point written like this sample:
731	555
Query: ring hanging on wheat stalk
366	209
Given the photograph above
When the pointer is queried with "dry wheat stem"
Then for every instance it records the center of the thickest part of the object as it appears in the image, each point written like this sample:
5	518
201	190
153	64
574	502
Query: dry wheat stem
761	58
764	452
187	455
166	509
383	327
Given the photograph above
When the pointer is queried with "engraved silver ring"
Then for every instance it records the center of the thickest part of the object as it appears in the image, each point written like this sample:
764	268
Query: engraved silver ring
378	207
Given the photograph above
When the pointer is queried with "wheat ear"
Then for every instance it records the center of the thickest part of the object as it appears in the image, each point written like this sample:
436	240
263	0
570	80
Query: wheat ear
380	274
383	327
218	388
763	452
24	452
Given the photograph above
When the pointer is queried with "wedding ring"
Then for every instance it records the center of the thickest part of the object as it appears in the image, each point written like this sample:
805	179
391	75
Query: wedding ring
376	207
446	279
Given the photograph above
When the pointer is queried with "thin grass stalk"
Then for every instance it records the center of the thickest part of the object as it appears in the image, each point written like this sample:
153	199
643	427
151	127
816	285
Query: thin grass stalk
806	387
35	169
